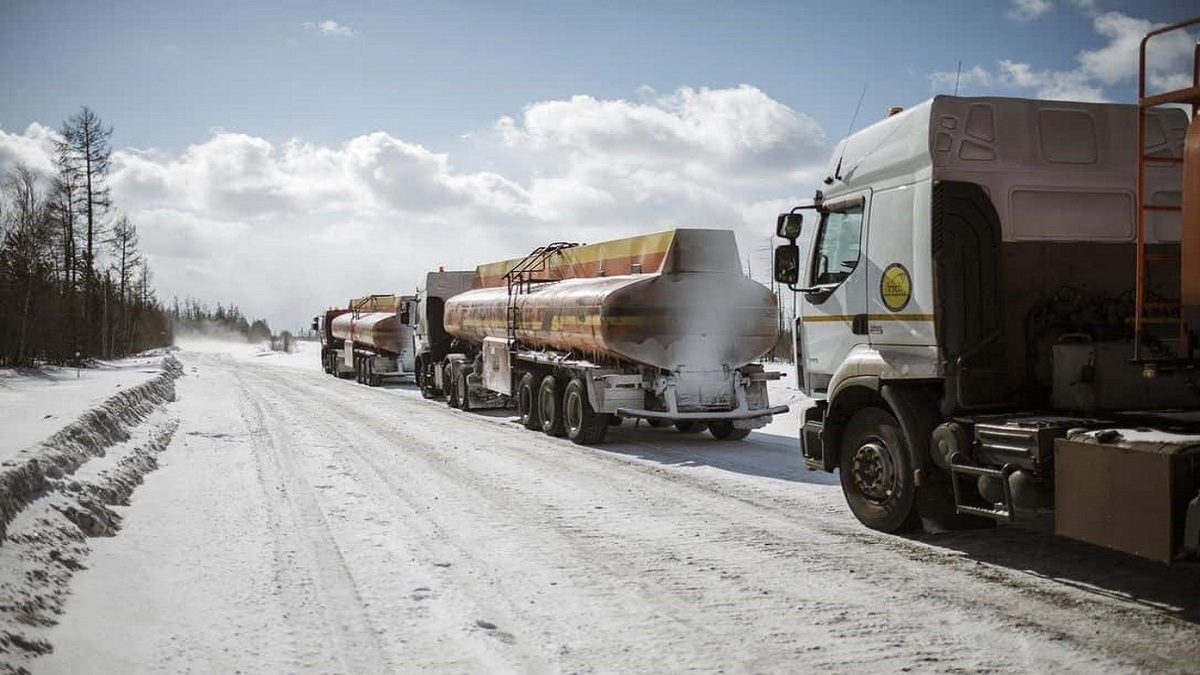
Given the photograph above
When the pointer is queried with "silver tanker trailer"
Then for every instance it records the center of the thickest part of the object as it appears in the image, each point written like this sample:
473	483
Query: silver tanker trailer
371	339
663	327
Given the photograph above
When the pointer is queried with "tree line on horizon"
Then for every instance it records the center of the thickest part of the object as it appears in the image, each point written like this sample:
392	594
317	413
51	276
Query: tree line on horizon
74	284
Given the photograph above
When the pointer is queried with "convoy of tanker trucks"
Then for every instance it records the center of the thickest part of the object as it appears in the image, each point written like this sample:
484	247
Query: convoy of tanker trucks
998	322
663	327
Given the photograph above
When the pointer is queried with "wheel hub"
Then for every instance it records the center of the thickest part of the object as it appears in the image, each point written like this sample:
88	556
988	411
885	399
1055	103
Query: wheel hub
874	472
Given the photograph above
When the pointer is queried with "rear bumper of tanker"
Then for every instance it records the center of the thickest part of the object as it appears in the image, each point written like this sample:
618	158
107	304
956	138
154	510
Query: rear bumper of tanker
703	416
732	396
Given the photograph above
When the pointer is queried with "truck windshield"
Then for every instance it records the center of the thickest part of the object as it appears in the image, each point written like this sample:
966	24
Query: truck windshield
837	247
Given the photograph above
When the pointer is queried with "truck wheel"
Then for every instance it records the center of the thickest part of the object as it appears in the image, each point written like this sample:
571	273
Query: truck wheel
451	388
527	403
725	431
464	391
325	363
369	373
422	380
689	426
584	425
549	404
875	472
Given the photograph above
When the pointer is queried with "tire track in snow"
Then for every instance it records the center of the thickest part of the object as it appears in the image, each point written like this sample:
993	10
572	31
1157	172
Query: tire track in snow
662	562
318	560
357	445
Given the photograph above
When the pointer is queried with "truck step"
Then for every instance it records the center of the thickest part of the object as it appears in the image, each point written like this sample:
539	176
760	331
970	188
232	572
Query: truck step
960	470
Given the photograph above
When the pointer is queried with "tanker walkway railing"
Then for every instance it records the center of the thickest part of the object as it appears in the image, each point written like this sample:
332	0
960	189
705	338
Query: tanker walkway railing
368	303
532	270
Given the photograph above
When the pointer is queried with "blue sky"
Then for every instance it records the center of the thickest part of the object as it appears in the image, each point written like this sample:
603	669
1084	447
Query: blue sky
166	72
331	124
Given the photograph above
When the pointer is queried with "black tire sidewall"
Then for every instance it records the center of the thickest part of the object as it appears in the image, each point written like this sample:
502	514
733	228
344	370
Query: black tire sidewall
549	406
531	418
898	513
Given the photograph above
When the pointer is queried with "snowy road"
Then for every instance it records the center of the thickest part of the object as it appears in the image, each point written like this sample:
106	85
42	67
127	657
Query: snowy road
300	523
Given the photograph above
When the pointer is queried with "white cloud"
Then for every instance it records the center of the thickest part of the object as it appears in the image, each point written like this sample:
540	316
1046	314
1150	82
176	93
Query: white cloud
284	230
1113	64
1027	10
329	27
973	79
1050	84
1116	61
35	148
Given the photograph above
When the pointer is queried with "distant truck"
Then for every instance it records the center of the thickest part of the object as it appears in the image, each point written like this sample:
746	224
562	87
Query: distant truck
371	339
1000	319
432	341
663	327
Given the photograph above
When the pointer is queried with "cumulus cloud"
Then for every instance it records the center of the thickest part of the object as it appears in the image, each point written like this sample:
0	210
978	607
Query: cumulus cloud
1027	10
34	147
286	229
329	28
1113	64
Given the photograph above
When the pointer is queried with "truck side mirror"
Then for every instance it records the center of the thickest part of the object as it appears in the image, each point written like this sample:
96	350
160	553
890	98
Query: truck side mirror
787	263
788	225
316	324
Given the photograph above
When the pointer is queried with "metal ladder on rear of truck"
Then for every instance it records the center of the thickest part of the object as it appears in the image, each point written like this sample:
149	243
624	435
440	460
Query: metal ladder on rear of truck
1160	319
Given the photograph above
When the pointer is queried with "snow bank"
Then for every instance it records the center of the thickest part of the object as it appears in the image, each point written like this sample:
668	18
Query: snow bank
25	477
55	494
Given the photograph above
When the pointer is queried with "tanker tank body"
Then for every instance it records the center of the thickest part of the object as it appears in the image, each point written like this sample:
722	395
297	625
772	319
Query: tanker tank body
662	327
371	339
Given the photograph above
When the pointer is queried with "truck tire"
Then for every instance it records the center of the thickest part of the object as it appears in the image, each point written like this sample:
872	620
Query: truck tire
451	387
689	426
463	386
527	403
550	406
723	430
584	426
423	380
875	472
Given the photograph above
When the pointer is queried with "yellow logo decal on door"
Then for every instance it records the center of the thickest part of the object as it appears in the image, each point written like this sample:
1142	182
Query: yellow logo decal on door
895	287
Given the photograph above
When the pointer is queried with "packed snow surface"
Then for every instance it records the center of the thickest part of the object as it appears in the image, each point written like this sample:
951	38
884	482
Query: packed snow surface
256	515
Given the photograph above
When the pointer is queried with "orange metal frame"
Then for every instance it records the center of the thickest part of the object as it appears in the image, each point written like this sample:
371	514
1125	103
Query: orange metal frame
1190	95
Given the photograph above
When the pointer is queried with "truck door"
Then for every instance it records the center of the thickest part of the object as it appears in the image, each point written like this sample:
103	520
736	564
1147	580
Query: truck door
837	283
899	283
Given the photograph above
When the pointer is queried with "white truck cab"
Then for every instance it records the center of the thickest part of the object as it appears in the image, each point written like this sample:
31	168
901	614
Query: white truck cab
966	276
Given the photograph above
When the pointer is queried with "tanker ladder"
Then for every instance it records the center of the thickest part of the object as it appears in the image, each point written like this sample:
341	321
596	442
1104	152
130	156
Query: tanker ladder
522	278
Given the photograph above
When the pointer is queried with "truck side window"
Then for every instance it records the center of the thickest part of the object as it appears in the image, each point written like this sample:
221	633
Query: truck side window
836	252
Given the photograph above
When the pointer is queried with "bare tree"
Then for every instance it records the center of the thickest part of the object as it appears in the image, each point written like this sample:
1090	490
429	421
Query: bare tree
126	261
26	252
84	155
64	205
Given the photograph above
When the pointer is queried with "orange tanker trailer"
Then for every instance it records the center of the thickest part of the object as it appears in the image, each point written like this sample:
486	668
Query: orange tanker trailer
370	339
662	326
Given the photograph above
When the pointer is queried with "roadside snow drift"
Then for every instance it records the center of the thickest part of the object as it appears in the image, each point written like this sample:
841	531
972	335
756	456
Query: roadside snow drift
57	492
